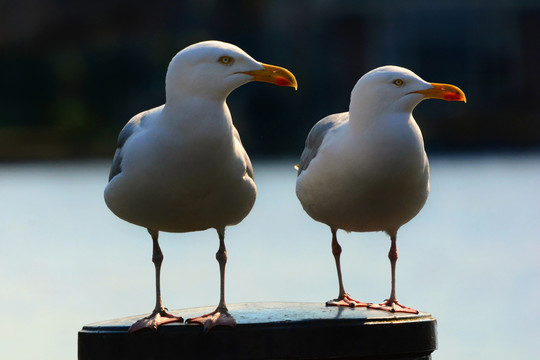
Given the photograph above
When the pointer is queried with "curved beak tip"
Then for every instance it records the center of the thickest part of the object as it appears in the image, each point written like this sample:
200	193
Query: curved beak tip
282	81
293	85
451	96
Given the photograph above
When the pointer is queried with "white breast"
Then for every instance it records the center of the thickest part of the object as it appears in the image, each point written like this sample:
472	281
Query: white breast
373	180
183	178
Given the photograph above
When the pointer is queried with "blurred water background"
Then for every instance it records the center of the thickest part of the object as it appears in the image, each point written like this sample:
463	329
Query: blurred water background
72	73
470	257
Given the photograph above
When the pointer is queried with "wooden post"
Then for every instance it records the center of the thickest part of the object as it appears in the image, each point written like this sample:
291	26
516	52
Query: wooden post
270	331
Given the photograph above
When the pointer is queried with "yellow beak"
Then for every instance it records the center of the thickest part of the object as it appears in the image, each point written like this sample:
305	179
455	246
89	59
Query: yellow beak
443	92
274	75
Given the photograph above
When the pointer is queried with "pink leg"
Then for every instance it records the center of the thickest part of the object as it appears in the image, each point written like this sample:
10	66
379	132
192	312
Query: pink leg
160	315
221	315
391	304
343	298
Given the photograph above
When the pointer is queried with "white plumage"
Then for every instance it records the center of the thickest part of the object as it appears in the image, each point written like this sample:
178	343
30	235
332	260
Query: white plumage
181	166
366	170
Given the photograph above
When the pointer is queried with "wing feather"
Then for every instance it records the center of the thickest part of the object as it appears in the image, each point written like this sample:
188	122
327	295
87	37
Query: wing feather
129	129
316	137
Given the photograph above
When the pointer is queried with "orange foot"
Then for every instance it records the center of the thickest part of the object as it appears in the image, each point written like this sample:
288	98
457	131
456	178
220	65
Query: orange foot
393	306
215	318
346	300
154	320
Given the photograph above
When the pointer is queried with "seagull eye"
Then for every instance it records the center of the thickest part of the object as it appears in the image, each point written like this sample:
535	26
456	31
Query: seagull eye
226	60
398	82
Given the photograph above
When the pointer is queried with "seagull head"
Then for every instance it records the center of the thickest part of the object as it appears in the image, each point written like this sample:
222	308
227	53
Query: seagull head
395	89
212	69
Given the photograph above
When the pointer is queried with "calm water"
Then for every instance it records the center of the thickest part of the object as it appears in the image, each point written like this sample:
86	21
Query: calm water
470	257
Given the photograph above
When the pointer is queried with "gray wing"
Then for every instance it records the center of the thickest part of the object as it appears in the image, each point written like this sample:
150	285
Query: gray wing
316	137
129	129
249	167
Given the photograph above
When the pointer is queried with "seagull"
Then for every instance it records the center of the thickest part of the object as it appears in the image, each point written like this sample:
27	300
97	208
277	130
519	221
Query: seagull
181	167
366	170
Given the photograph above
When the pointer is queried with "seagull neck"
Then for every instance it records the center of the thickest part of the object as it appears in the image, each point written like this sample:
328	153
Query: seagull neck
192	103
197	114
188	94
363	114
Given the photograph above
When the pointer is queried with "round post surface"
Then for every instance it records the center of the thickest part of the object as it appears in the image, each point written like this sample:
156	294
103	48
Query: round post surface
269	330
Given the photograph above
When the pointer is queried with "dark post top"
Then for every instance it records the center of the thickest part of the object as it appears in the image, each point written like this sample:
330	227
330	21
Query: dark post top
269	331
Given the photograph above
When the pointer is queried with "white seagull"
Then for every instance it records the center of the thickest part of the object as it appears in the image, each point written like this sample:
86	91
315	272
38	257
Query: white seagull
366	169
181	166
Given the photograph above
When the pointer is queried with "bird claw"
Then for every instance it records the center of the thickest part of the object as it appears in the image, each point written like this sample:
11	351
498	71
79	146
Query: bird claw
347	301
393	306
215	318
152	321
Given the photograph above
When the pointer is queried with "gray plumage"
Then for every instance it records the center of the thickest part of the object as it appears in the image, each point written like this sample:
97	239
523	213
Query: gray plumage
316	137
129	129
